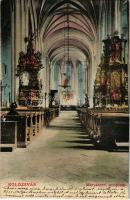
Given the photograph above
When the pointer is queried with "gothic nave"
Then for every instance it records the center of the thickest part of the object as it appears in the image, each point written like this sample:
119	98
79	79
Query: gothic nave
63	154
64	95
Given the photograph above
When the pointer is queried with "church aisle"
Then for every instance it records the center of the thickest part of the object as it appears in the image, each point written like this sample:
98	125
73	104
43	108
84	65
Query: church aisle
63	154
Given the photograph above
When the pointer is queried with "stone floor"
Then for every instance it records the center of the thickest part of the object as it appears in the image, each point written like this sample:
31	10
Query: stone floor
63	154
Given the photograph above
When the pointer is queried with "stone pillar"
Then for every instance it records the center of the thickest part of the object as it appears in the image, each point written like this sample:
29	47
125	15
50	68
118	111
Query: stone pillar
52	76
26	20
43	78
19	32
91	78
59	83
16	46
47	79
75	82
12	58
109	18
85	75
117	15
23	25
73	78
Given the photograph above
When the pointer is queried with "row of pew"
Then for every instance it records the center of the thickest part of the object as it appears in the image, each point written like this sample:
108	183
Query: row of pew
20	130
105	127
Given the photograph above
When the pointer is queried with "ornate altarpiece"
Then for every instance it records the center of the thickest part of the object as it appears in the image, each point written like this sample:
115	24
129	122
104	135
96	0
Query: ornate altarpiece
111	83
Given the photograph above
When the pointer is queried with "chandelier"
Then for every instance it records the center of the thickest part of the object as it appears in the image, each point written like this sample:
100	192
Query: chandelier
66	36
66	46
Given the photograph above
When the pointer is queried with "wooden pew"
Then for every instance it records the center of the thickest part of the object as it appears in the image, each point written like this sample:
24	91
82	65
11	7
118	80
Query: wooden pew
29	123
105	127
8	136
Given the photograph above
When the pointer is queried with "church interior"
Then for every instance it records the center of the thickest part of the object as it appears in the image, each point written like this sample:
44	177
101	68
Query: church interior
64	90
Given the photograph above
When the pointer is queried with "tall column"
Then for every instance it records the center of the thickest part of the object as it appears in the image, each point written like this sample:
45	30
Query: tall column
91	78
117	15
76	95
109	18
53	70
16	46
85	64
51	80
23	25
13	57
47	78
73	78
60	83
26	20
43	78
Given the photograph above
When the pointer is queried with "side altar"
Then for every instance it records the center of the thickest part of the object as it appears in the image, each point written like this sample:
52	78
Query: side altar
111	83
107	123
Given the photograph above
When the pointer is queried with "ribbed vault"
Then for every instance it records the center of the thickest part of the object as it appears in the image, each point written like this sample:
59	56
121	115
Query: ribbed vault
71	26
83	25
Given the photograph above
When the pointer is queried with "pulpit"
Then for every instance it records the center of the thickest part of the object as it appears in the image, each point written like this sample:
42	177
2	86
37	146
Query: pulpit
30	85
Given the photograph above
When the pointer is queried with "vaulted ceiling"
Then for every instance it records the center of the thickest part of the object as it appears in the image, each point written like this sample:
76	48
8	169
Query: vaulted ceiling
81	31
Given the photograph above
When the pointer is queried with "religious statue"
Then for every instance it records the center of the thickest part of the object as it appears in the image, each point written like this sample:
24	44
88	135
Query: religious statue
116	49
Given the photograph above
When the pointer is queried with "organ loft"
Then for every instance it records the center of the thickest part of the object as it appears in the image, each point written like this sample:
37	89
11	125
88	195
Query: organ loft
63	61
